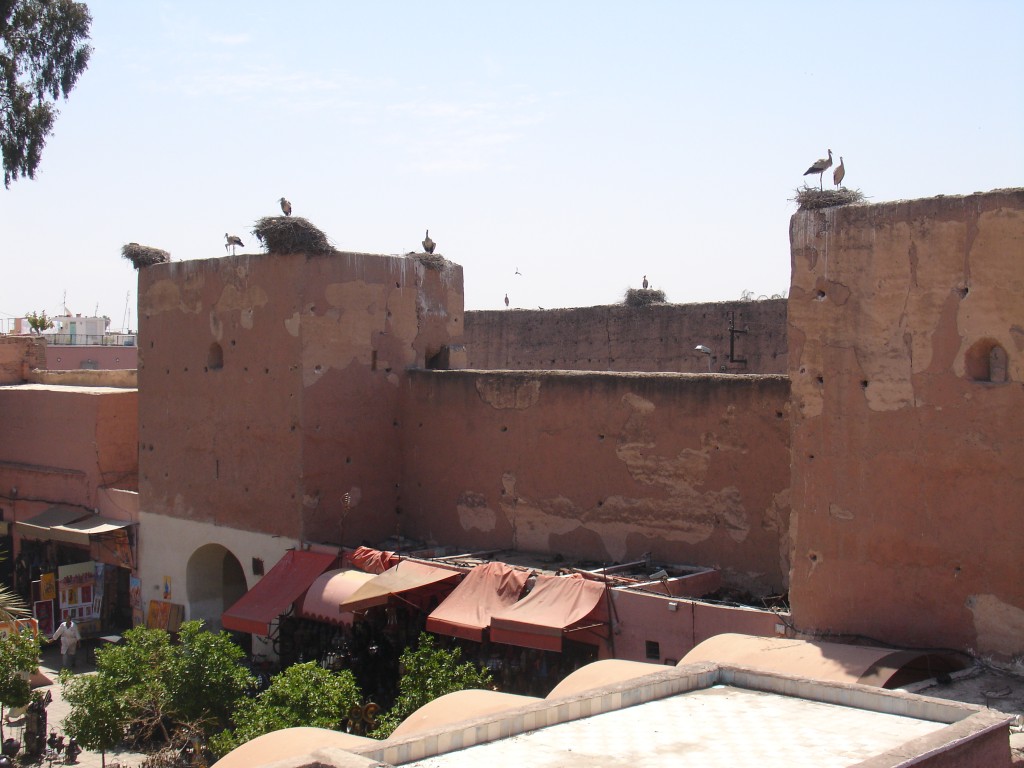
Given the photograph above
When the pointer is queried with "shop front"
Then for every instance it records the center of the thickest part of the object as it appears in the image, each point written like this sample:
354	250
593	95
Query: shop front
72	564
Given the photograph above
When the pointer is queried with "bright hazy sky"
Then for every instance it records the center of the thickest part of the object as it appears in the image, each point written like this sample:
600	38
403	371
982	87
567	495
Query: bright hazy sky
585	143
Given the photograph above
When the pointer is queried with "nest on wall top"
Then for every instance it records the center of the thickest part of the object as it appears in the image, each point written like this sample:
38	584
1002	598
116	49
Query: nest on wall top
641	297
809	199
143	255
291	234
430	260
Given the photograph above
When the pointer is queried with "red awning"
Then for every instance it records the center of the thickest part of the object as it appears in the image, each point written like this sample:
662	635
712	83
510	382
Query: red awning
557	606
274	593
466	612
406	577
373	560
323	597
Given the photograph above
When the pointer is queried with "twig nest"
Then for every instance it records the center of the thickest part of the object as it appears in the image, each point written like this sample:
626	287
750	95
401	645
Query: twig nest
433	261
641	297
143	255
291	234
809	199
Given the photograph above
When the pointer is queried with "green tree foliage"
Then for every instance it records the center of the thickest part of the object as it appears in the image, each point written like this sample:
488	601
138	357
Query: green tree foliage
38	321
302	695
152	691
98	718
430	672
43	52
19	657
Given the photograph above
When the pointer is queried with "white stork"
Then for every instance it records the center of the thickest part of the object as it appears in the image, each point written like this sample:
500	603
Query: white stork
232	241
839	173
286	207
819	167
428	244
645	282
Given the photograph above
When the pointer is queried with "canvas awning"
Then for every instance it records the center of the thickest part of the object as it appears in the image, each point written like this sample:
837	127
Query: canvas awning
74	526
276	591
373	560
467	611
406	577
39	526
557	607
321	601
80	531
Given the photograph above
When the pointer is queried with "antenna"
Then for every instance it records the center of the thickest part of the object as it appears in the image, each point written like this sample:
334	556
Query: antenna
127	313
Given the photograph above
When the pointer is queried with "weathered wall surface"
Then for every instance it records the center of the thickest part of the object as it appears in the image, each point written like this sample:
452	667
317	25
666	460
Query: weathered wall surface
271	386
906	334
692	468
19	355
65	357
659	337
60	445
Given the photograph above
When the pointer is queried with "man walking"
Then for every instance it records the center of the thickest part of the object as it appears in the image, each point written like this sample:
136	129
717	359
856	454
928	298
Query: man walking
69	637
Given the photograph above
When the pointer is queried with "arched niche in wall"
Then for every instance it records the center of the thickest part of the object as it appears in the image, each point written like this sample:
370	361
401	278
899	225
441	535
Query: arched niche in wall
987	360
214	581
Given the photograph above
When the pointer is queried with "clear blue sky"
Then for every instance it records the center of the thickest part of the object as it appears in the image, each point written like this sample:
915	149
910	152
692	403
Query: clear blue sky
585	143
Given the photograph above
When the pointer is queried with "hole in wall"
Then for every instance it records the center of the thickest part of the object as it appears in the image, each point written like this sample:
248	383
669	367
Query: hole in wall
215	357
504	429
863	383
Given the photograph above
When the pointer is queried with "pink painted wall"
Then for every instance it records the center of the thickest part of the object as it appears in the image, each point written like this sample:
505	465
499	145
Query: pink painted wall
602	467
643	617
271	387
62	445
658	337
70	358
907	454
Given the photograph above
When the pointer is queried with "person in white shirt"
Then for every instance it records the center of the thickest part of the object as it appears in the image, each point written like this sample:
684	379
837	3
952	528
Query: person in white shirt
69	637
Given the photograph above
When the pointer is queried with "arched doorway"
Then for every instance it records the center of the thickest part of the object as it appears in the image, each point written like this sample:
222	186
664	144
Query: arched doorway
214	581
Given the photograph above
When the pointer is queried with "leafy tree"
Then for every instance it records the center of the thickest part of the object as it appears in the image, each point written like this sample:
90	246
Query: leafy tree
19	657
150	690
42	54
430	672
302	695
38	321
98	718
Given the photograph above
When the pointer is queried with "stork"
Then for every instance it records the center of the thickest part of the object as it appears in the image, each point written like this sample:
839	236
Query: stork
286	207
839	173
645	282
819	167
428	244
232	241
506	299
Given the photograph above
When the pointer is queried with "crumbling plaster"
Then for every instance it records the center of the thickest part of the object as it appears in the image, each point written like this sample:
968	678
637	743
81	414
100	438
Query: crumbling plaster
603	466
271	385
906	466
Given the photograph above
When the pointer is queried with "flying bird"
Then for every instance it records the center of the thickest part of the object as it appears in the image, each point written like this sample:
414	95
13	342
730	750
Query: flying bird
428	244
506	299
839	173
286	207
518	272
232	241
819	167
645	282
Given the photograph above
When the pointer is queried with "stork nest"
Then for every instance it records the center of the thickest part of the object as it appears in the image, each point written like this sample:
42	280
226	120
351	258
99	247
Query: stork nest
143	255
433	261
810	199
291	234
641	297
